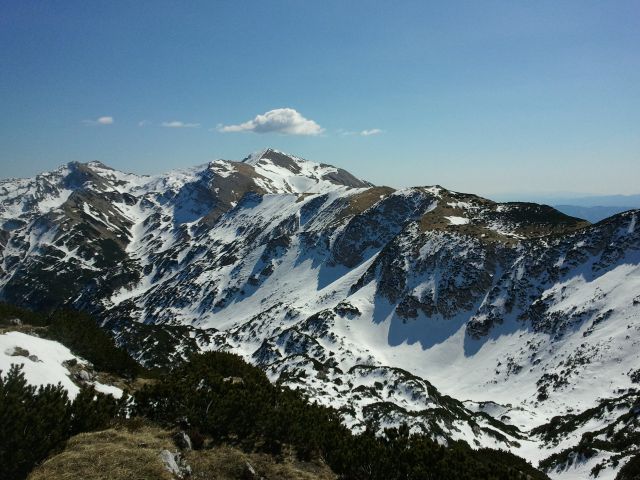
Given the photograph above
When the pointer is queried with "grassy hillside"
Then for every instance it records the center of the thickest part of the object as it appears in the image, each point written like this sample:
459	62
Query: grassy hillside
125	454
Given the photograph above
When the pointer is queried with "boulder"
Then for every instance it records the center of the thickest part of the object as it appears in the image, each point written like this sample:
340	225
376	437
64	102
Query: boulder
83	376
234	380
182	440
175	464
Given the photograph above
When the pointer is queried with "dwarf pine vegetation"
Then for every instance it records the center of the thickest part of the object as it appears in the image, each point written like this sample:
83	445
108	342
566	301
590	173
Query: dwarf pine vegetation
78	332
35	422
219	400
218	396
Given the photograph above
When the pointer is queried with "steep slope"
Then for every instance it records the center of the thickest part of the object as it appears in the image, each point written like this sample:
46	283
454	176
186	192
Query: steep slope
387	304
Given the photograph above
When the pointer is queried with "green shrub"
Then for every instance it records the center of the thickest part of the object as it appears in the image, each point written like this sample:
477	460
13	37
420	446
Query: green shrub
221	396
631	470
78	332
36	421
9	312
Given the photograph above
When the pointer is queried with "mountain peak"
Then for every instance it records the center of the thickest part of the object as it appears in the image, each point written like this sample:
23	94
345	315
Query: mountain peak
276	156
298	172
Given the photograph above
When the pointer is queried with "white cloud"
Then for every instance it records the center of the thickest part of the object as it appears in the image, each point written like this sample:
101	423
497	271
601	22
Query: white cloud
177	124
362	133
286	121
144	123
373	131
100	121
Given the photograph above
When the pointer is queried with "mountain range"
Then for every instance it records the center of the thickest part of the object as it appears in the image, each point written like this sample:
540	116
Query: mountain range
507	325
593	213
593	208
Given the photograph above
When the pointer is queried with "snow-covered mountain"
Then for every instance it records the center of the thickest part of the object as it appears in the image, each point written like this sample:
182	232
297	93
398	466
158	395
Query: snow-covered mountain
466	318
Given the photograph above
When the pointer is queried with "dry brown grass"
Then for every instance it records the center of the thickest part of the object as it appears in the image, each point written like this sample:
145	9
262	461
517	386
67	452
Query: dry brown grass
227	463
109	455
121	454
359	202
26	328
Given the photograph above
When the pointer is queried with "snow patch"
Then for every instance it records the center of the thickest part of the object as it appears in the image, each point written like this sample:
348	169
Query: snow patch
453	220
43	362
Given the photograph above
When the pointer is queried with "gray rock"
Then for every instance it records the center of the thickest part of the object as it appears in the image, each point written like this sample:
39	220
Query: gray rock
234	380
17	352
175	464
249	473
170	462
83	376
183	441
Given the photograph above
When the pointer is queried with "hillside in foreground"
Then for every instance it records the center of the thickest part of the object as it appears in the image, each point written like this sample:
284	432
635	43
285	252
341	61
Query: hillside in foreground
213	415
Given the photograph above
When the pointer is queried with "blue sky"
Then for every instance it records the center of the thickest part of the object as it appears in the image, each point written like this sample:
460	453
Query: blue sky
486	97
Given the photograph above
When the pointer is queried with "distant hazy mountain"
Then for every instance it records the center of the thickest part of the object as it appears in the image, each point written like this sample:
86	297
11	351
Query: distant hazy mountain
593	214
632	201
466	318
593	208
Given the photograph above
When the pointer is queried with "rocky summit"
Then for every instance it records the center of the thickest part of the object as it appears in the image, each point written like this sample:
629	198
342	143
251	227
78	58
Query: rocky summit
507	325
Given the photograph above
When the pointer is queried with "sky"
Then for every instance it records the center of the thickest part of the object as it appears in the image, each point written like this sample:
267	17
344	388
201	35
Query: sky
494	97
